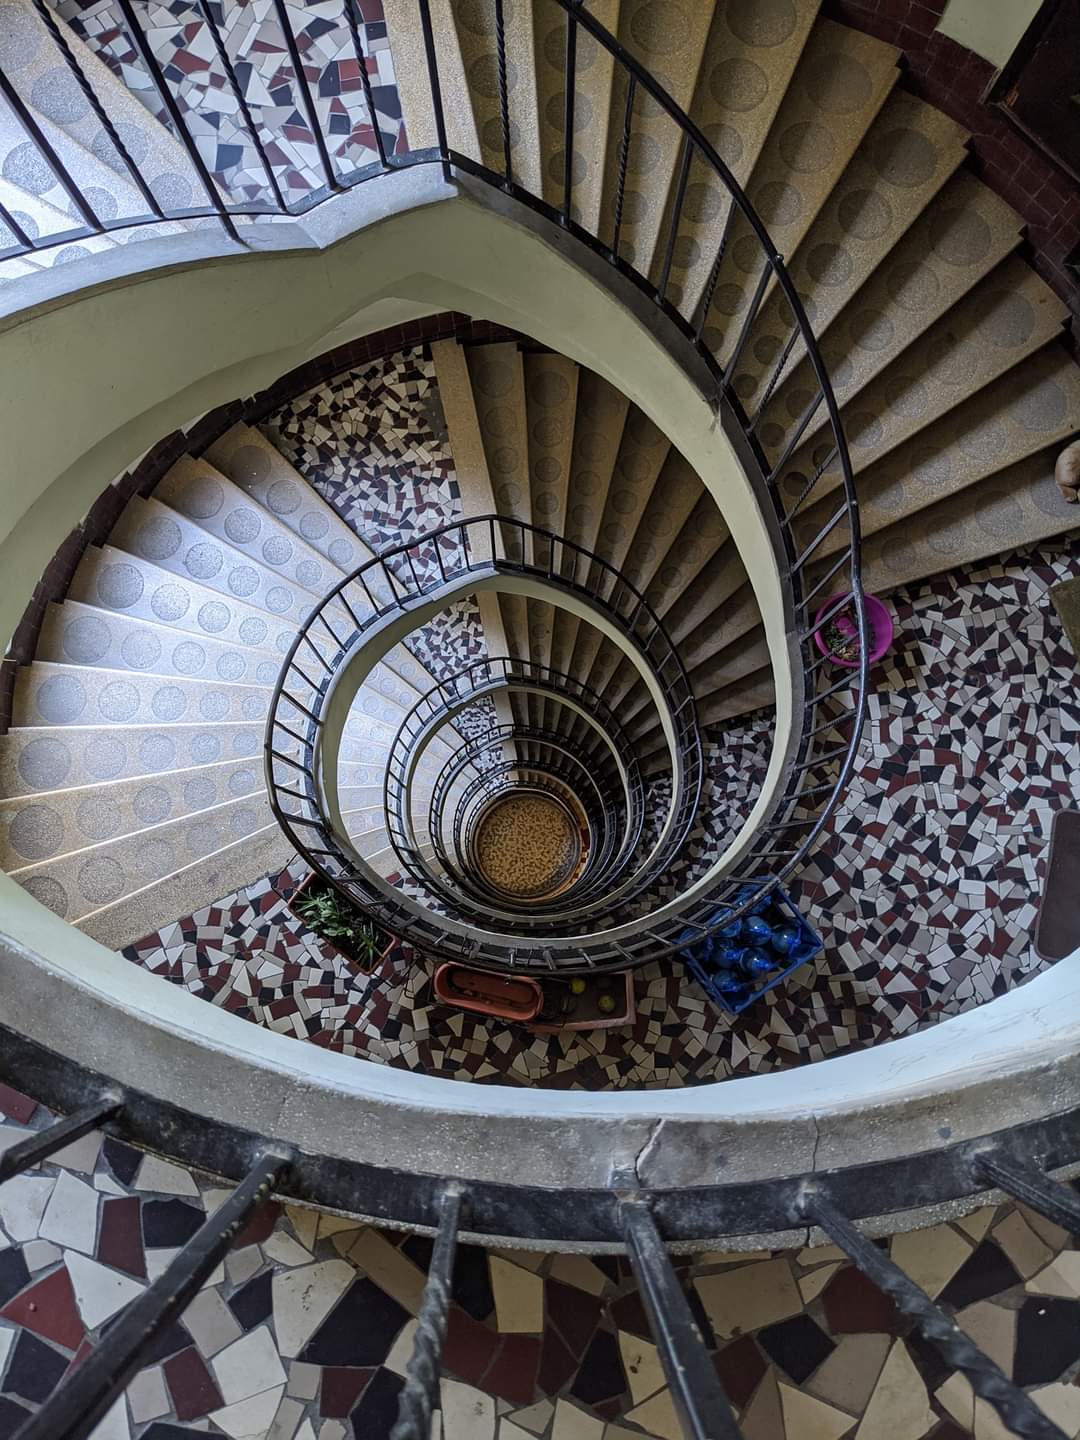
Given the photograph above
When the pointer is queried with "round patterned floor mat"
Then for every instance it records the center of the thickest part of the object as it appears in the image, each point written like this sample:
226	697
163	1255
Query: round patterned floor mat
527	846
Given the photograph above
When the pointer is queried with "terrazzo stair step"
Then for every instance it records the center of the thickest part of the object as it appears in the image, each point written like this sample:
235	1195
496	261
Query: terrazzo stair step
185	890
414	86
842	80
38	70
76	884
1035	404
670	46
46	757
592	108
752	692
689	555
906	156
1007	317
51	694
45	825
750	56
79	634
475	30
962	235
41	220
154	532
676	493
717	676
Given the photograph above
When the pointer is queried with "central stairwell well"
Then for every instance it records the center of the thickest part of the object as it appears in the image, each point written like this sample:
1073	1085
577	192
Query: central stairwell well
685	152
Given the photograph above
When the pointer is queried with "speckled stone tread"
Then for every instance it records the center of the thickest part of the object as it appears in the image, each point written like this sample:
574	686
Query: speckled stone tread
414	87
50	694
750	57
474	24
842	80
592	107
904	158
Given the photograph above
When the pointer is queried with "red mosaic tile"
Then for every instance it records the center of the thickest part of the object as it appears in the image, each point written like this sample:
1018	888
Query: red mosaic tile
740	1367
192	1387
512	1374
469	1346
340	1389
120	1237
16	1106
48	1308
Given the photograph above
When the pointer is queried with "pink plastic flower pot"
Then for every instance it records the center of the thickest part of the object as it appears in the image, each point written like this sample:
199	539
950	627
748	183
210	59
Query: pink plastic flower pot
879	625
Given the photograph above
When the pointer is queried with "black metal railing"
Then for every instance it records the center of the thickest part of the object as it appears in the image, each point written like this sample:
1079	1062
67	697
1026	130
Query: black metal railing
632	1216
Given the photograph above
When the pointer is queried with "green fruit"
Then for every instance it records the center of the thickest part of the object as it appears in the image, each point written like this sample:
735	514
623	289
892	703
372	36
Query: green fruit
577	987
606	1003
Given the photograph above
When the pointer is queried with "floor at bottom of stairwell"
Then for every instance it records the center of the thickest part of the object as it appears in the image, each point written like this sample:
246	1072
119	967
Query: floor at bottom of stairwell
925	891
304	1331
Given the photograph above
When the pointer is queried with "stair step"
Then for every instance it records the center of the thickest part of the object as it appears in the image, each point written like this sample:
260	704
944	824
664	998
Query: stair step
413	82
38	759
744	76
842	80
962	235
593	120
78	883
1033	405
43	827
51	694
672	50
186	889
1008	316
905	157
479	59
79	634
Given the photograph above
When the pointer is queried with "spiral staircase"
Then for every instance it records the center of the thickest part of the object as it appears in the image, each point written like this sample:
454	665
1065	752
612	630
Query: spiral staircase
243	667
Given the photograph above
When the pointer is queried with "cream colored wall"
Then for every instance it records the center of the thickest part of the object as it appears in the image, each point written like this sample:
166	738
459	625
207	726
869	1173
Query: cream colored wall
989	27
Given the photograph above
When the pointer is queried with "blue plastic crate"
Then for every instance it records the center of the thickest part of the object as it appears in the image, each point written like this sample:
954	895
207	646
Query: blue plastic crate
707	971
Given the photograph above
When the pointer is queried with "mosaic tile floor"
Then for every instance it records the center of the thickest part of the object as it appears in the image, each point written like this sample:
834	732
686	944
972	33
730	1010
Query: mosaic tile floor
924	892
304	1331
527	846
280	138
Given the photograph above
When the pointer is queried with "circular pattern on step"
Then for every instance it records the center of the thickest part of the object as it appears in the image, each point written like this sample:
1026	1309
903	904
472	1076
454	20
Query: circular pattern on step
152	804
1006	319
155	857
119	586
1042	409
778	203
738	85
907	396
904	158
199	793
171	191
243	581
278	600
659	27
871	330
252	630
60	699
49	892
203	560
284	497
214	705
205	749
960	237
243	782
133	140
44	763
36	832
188	657
761	22
25	166
99	819
836	83
807	148
313	525
250	464
158	539
912	287
141	650
214	617
100	880
104	757
829	265
230	666
55	92
168	703
118	701
169	602
483	76
86	639
242	525
343	554
865	214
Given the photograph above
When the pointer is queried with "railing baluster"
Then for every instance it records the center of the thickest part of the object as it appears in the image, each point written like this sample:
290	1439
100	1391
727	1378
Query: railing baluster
751	316
504	94
624	156
1017	1409
329	172
826	530
52	159
16	229
1058	1202
168	99
794	438
435	83
365	82
36	1148
75	1407
696	1391
687	154
570	80
47	18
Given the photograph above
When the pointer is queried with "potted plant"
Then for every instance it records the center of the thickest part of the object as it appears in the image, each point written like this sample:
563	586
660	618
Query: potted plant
362	942
837	634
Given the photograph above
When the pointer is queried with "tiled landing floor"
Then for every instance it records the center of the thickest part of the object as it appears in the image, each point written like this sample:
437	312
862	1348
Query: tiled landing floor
925	892
304	1331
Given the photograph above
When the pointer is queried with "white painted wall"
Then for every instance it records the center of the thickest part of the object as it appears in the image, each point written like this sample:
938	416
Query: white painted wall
991	28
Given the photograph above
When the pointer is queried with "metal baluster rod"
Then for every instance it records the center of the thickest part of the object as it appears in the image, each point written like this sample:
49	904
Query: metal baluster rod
420	1392
699	1397
36	1148
1019	1412
1059	1203
75	1407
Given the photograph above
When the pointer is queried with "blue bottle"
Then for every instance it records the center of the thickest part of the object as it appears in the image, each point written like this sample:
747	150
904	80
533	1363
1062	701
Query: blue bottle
727	953
756	962
784	939
732	928
757	929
